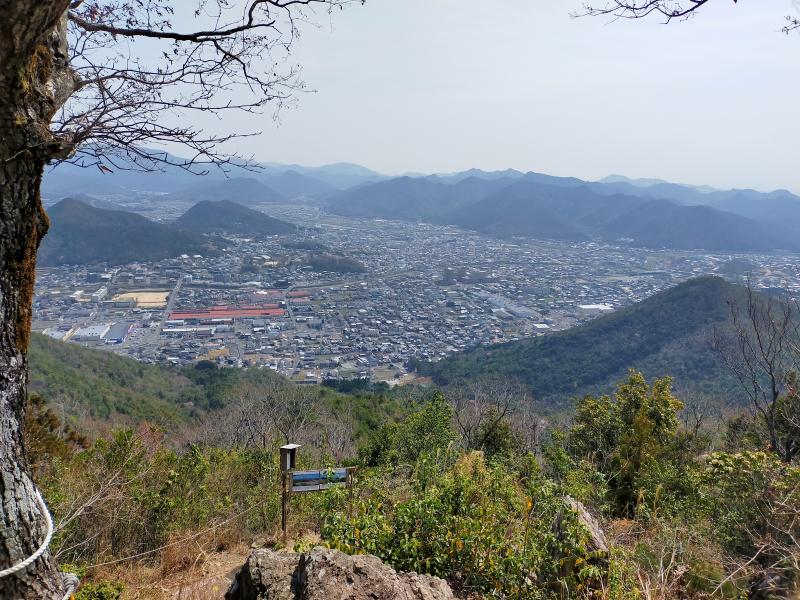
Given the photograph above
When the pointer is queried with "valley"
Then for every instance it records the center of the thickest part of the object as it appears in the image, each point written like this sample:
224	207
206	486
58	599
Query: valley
347	297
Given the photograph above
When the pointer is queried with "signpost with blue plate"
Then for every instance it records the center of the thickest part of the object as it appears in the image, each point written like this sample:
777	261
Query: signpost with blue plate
298	482
315	481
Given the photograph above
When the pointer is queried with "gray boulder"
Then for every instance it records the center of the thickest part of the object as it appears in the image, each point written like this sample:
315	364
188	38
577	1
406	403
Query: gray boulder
324	574
267	575
597	536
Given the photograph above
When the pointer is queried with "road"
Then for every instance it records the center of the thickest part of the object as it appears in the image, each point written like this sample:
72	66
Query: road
154	333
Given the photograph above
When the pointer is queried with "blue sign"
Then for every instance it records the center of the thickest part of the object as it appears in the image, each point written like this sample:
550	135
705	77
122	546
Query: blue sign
320	479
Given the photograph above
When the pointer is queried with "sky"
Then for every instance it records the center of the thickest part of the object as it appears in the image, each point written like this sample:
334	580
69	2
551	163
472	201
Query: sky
445	85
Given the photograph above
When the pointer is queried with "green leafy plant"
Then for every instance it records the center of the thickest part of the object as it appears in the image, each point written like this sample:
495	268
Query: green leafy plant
103	590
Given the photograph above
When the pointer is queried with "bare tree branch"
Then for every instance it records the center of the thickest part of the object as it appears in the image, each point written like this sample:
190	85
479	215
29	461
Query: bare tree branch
762	353
666	10
124	101
638	9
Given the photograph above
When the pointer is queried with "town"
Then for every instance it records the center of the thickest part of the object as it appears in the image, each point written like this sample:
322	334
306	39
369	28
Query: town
406	290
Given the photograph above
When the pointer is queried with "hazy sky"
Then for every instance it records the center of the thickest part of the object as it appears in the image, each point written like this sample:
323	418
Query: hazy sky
444	85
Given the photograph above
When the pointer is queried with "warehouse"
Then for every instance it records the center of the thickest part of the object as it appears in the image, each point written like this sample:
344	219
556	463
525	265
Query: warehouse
90	333
225	312
118	332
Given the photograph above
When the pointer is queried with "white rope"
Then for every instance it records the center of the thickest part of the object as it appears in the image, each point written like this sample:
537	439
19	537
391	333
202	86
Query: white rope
71	582
175	543
28	561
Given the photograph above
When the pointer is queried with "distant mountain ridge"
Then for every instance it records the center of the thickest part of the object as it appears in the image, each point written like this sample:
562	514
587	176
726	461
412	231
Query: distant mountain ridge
651	182
245	190
578	213
670	333
566	208
205	181
291	184
772	220
224	216
412	198
82	234
341	175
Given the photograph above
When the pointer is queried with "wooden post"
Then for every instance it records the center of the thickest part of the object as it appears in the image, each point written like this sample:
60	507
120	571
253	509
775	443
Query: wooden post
288	458
283	505
350	477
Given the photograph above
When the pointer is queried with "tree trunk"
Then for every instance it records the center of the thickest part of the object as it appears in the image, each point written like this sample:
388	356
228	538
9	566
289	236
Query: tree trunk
34	81
22	223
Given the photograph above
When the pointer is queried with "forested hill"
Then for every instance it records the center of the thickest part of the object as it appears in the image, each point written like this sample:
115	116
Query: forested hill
107	387
670	333
97	389
83	234
118	390
224	216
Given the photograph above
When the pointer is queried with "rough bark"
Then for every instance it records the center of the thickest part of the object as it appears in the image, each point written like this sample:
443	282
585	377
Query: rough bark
34	81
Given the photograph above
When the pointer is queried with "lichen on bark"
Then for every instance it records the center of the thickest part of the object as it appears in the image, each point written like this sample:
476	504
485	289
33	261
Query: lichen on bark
33	67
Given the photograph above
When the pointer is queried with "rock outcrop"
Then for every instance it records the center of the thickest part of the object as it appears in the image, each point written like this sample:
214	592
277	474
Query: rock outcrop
597	536
267	575
323	574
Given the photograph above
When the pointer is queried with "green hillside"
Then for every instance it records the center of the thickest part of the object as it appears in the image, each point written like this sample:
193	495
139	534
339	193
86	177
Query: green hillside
670	333
107	386
120	391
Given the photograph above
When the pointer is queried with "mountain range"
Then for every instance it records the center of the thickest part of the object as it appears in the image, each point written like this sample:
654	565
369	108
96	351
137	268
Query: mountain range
413	198
543	206
505	203
245	190
204	182
670	333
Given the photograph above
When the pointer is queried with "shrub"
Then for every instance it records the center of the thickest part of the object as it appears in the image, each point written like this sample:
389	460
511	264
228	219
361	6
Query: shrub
104	590
425	431
477	525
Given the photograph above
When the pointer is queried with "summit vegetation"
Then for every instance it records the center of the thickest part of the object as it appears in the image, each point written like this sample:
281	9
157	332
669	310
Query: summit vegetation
627	499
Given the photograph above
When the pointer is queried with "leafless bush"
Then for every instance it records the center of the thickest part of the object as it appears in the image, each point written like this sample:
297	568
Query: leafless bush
479	407
763	354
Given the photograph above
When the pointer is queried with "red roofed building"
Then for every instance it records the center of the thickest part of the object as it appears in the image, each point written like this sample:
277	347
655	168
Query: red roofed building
227	312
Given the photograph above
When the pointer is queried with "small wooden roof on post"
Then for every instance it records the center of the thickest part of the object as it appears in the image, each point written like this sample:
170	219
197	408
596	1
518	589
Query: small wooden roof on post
289	456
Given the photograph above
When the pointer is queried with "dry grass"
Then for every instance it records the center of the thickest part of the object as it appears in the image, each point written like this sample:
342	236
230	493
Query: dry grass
197	569
183	554
207	579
